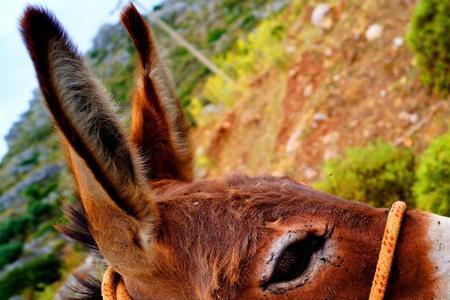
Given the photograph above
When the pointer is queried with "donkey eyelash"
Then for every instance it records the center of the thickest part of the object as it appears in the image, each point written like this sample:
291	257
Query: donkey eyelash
294	259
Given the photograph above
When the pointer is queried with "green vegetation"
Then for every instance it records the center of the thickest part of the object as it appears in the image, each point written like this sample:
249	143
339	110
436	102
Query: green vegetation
10	252
233	20
34	275
241	12
14	228
17	227
40	211
121	85
432	189
33	160
37	135
254	54
247	58
46	227
381	174
378	174
39	190
429	39
215	34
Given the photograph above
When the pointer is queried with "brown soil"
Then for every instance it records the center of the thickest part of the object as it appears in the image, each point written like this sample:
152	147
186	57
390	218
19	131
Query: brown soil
340	90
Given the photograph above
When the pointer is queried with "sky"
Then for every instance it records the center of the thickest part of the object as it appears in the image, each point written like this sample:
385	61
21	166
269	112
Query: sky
81	18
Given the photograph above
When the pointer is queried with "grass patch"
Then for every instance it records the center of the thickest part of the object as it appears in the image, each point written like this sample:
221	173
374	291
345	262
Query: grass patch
10	252
432	189
429	39
34	275
378	174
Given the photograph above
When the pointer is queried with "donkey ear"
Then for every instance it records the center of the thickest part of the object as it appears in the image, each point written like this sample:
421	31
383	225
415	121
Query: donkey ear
159	129
120	209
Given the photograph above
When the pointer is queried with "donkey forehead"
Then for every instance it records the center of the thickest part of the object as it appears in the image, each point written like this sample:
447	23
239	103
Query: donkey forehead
237	210
262	199
248	201
240	214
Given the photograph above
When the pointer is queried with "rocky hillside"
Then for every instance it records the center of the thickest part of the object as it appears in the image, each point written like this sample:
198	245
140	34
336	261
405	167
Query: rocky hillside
347	79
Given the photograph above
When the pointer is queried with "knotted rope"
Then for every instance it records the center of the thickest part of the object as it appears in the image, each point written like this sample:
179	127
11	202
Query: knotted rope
113	287
386	256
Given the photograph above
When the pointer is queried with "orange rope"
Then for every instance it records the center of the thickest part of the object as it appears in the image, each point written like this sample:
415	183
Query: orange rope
384	264
113	287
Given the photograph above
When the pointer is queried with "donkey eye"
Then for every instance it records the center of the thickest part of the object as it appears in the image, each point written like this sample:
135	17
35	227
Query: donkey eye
295	259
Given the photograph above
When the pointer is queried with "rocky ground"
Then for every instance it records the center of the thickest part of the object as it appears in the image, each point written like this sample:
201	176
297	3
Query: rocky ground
351	81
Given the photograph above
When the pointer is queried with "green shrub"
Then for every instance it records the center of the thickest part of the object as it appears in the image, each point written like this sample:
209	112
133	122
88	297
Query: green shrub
432	188
41	189
10	252
45	228
378	174
34	274
40	211
258	52
33	160
215	34
429	39
121	83
17	227
14	228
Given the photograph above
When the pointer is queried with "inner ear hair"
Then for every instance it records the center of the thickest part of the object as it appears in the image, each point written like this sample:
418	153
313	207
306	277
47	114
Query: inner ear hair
112	186
159	129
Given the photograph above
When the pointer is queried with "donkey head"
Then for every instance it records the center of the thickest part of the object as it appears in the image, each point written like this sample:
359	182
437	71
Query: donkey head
236	238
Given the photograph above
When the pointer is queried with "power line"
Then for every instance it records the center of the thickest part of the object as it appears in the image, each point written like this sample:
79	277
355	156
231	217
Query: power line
203	59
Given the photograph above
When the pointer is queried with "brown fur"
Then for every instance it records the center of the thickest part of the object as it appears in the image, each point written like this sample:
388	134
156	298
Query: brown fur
159	129
110	181
254	211
170	238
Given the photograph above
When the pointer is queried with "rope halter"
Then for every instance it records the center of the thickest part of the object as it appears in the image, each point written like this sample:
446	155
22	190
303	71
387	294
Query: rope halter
113	287
386	256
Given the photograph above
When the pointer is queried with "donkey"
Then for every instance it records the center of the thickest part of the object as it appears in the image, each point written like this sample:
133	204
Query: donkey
167	236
